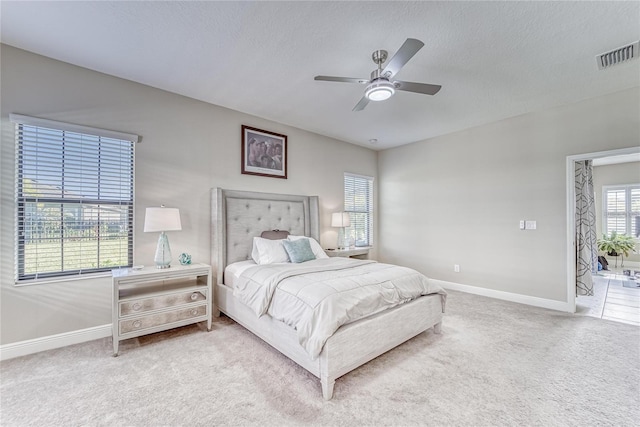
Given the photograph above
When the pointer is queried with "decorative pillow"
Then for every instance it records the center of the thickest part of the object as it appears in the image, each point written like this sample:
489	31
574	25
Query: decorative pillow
298	250
267	251
315	246
274	234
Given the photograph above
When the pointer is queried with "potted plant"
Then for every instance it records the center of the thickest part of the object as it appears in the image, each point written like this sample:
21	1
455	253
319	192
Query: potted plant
617	244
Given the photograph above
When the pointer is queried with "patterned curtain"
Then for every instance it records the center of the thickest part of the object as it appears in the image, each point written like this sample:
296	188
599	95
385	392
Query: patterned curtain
586	241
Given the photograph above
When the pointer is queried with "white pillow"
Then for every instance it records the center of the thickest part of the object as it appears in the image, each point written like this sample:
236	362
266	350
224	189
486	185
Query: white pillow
267	251
315	246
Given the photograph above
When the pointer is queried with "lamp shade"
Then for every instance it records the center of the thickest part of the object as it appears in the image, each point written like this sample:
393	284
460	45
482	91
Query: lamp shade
340	219
162	219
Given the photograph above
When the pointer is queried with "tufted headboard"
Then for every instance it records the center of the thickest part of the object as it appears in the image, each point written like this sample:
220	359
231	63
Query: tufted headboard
238	216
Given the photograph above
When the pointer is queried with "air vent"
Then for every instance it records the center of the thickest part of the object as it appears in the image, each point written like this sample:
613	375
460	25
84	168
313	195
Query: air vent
618	56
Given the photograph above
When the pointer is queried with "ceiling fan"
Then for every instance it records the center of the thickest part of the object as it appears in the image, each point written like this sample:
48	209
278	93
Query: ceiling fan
380	86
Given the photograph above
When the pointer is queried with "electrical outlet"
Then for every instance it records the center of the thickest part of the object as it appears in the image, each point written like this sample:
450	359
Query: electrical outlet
456	268
531	225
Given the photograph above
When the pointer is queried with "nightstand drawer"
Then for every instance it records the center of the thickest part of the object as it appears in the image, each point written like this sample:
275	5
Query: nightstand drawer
162	301
163	318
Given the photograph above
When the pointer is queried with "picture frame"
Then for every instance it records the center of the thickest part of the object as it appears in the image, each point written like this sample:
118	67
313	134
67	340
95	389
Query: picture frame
264	153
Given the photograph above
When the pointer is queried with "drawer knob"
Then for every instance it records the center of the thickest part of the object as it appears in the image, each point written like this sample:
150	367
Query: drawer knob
194	296
194	312
137	324
136	306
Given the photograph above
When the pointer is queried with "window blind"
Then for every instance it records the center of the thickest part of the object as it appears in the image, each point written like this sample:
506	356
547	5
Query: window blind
622	209
634	220
358	201
74	199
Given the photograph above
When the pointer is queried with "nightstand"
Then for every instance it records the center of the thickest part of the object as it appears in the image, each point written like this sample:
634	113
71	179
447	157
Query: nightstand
151	300
362	253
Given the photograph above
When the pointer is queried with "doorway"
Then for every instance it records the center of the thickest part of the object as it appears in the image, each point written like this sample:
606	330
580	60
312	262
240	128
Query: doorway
571	210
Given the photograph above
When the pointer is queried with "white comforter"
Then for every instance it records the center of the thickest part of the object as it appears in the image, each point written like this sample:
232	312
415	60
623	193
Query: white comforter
317	297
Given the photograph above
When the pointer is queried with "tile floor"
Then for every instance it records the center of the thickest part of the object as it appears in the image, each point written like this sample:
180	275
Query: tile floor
611	300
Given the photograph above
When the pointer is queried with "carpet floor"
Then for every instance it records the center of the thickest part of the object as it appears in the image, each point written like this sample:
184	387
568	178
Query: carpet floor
496	363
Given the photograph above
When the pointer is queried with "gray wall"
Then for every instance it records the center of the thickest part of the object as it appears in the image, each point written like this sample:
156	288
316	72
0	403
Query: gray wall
458	198
187	148
620	174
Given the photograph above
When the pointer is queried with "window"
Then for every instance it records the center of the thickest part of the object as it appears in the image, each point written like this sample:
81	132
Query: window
74	199
622	209
358	201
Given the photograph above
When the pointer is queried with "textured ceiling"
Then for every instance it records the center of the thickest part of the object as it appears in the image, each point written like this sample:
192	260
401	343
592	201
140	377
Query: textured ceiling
493	59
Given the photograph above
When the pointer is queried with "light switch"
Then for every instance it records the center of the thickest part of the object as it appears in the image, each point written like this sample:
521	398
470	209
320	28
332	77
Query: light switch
530	225
522	224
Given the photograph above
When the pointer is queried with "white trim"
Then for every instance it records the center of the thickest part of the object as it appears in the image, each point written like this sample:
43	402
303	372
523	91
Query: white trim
507	296
70	278
571	213
616	160
52	124
36	345
571	226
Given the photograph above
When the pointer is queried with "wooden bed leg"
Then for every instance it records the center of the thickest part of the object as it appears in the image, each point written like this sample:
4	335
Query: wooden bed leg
327	388
216	312
437	328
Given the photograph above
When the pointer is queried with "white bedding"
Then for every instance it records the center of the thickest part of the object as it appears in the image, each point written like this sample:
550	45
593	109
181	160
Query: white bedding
233	271
319	296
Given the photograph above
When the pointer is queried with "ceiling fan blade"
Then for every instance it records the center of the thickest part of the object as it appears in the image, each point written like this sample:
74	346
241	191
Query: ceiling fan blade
409	48
341	79
360	105
427	89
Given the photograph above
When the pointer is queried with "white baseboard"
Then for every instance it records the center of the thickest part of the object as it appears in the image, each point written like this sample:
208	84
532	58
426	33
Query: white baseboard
507	296
23	348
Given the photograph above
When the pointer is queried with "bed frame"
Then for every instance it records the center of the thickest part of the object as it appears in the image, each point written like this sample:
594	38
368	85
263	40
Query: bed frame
237	217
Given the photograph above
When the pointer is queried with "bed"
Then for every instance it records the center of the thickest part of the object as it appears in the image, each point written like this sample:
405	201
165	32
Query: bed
239	216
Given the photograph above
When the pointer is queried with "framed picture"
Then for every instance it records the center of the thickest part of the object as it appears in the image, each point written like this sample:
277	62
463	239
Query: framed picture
264	153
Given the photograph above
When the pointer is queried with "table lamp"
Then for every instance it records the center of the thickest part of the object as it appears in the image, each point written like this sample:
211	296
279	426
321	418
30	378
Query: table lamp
162	219
341	220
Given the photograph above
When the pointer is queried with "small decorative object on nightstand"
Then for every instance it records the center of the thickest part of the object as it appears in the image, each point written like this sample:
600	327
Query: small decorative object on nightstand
184	258
162	219
362	253
149	300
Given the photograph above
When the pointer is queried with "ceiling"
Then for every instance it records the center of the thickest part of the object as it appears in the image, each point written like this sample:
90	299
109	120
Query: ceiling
494	60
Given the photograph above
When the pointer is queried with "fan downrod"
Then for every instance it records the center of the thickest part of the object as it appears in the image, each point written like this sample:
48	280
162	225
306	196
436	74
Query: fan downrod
379	56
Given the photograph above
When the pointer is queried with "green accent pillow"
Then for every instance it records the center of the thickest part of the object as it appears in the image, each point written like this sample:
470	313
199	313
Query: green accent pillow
298	250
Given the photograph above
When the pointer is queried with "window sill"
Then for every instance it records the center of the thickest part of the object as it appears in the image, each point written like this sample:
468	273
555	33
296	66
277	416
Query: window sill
49	280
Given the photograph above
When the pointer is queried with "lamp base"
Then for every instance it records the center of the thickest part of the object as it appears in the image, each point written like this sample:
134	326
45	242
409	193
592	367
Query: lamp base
341	240
163	252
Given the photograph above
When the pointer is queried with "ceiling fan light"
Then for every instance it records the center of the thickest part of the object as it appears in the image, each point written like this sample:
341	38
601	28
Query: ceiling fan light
379	90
